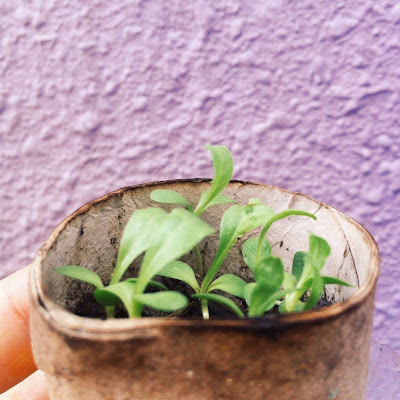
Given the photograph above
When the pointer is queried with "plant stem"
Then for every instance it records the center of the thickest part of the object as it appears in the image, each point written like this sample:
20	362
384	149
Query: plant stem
110	312
293	298
199	261
277	217
136	311
216	264
204	309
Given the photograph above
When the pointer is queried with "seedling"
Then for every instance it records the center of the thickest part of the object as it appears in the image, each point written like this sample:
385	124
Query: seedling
237	221
165	237
270	277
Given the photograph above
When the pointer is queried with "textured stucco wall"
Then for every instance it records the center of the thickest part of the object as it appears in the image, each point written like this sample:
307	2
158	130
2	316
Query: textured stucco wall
100	94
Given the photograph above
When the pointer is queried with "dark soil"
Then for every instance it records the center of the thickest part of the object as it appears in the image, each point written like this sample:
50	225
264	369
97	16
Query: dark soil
323	302
88	307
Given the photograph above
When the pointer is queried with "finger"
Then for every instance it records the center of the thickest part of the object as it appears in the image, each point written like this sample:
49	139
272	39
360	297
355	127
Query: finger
16	360
32	388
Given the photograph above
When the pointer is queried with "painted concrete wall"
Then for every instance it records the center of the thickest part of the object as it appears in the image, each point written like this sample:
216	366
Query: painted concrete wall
101	94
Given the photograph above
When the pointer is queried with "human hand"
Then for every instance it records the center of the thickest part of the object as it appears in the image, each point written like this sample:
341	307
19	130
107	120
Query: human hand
19	377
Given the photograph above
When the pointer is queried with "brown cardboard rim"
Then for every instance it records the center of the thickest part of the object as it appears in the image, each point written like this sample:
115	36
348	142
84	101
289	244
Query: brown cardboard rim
74	325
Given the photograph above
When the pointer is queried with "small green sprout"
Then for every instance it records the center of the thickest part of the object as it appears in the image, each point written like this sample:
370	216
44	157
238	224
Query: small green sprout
307	276
272	283
237	221
223	170
165	237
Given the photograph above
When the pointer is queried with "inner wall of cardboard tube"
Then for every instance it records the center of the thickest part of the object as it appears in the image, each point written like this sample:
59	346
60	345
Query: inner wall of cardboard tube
91	239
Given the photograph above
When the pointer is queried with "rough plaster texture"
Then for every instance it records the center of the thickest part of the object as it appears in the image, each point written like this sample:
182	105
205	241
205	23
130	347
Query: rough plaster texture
384	373
97	95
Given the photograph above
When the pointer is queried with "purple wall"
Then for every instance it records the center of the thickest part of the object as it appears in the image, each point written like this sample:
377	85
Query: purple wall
102	94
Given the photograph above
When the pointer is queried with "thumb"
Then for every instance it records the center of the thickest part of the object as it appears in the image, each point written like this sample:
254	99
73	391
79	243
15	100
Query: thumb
16	360
32	388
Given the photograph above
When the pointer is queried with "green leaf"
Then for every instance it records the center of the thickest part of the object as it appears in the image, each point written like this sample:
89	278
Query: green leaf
223	170
82	274
262	305
181	271
229	283
106	296
330	280
115	293
298	264
176	235
255	202
326	280
314	261
299	306
170	197
249	251
248	290
269	271
317	288
259	296
219	199
220	299
277	217
253	216
236	221
269	274
155	284
289	281
138	235
318	252
163	301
